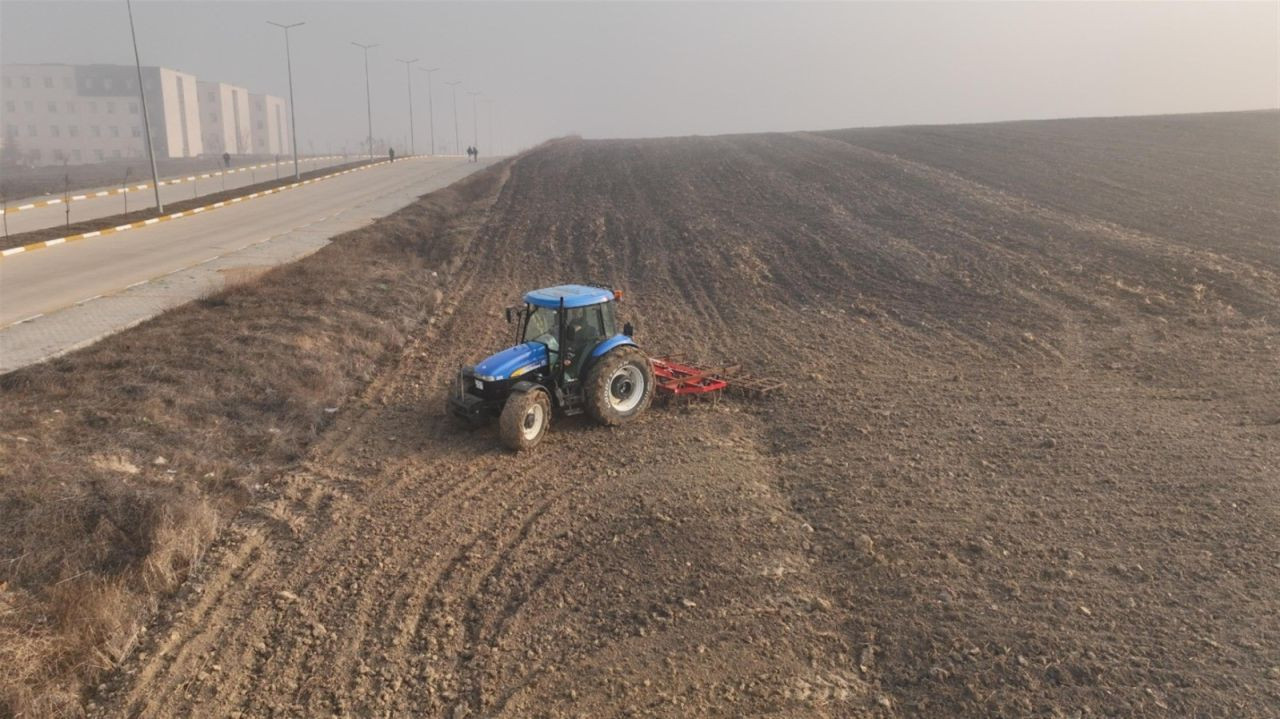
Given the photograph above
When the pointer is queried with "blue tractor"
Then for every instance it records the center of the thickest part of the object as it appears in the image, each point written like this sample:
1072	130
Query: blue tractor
570	356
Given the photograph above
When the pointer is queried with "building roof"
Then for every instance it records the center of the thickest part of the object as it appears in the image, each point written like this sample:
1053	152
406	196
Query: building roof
573	295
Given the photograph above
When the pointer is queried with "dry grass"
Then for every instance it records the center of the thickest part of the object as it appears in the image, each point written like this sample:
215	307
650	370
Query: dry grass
119	463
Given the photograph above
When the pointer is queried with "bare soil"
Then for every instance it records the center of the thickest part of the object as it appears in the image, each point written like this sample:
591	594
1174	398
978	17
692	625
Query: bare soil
1027	464
100	223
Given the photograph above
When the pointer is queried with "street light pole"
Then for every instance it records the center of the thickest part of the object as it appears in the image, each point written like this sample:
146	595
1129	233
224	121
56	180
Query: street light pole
408	76
475	122
293	116
457	142
146	122
431	110
368	98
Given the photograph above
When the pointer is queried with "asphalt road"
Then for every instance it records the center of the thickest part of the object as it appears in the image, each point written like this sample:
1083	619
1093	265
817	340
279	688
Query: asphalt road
38	218
62	297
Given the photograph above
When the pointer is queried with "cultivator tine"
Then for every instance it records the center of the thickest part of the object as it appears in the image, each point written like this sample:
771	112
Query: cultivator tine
678	376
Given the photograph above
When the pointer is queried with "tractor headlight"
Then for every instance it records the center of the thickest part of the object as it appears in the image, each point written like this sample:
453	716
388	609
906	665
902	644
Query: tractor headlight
479	384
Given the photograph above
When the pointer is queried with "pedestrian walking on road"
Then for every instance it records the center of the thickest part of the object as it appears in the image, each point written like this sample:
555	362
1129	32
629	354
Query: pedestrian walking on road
391	152
226	159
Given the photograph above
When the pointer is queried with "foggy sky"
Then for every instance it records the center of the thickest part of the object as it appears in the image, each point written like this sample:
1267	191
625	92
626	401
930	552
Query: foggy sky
650	69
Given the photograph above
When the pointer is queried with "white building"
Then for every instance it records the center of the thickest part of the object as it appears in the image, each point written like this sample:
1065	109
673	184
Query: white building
87	113
269	122
224	114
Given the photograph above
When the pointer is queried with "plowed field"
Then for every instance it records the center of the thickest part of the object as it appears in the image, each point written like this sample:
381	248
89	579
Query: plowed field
1027	464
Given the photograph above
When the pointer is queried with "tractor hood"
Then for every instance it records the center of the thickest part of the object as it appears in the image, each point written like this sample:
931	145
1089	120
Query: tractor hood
512	362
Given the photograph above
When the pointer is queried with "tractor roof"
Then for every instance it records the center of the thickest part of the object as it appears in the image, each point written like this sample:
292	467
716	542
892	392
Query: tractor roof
573	295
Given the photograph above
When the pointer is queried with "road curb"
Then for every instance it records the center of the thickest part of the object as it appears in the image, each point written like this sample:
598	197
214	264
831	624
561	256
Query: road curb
145	186
185	213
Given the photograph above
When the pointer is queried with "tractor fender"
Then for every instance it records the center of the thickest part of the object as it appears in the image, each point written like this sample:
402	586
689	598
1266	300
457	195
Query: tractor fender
611	343
604	348
527	386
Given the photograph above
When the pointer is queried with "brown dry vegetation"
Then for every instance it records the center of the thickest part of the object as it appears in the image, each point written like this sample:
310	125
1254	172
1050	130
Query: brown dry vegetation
121	462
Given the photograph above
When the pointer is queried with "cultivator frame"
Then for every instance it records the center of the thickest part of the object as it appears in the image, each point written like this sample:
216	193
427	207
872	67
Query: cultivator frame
679	377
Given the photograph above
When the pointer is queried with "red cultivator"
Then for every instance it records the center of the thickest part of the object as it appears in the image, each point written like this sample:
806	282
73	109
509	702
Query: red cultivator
676	377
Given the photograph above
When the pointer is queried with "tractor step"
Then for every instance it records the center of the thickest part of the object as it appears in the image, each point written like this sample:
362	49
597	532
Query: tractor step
678	376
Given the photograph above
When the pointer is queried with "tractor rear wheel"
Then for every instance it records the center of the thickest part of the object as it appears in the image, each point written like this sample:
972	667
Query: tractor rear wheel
619	386
524	420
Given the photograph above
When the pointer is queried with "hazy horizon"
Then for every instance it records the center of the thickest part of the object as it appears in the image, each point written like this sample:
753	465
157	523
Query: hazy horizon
654	69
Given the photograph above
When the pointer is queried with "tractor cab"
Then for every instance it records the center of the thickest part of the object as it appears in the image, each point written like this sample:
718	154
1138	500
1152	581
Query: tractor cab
572	318
566	337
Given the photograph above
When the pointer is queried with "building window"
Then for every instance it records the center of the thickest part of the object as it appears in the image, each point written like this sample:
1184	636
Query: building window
8	82
71	106
12	130
31	130
53	131
133	108
73	131
212	97
48	82
53	107
115	153
75	155
95	131
66	83
137	131
115	131
36	153
57	155
93	106
106	83
29	105
26	82
111	107
10	105
98	154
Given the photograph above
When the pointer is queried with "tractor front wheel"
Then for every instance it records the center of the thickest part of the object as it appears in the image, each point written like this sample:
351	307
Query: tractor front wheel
524	420
620	386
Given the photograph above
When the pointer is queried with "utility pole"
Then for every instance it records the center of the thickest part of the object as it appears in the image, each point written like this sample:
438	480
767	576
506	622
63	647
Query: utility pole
475	122
146	121
368	99
293	117
457	142
408	76
431	110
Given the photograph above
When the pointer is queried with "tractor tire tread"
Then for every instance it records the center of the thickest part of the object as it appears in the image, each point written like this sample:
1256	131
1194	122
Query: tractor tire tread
511	421
597	389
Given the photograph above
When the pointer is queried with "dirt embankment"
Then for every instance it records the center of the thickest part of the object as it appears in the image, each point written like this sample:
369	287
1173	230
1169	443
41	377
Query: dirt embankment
1026	464
120	463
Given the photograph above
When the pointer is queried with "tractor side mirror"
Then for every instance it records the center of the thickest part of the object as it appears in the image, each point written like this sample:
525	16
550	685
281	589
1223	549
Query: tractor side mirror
508	315
628	330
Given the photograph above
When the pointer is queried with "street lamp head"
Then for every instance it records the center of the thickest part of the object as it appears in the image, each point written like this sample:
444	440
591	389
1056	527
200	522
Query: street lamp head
286	27
366	47
407	62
